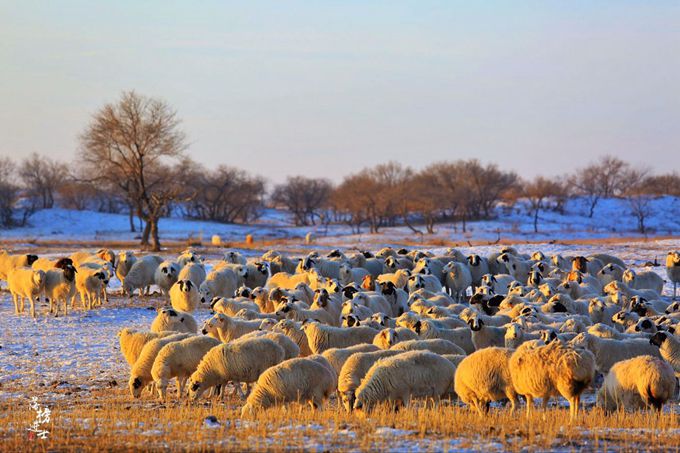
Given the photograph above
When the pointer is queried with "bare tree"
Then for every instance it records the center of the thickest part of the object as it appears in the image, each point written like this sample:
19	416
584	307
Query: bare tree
638	196
303	197
9	192
131	146
537	192
602	179
41	177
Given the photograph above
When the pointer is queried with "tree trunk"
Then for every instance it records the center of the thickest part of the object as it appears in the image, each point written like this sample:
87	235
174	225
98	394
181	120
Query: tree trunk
536	220
132	221
154	235
145	234
592	208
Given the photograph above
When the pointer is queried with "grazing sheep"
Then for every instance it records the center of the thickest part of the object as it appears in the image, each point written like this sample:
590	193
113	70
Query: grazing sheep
165	276
545	371
294	330
179	360
125	261
140	375
643	280
141	275
238	361
184	296
437	346
672	270
637	383
295	380
483	377
173	320
399	378
226	328
338	356
60	286
354	370
322	337
290	348
387	338
195	272
457	279
132	341
25	283
669	348
608	351
10	262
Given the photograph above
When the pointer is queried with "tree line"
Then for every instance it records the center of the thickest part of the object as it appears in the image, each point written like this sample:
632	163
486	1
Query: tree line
132	160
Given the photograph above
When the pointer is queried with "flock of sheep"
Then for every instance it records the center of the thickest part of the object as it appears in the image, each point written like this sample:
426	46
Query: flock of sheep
384	327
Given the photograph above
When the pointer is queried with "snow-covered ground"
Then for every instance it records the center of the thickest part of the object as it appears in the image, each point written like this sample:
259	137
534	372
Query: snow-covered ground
612	218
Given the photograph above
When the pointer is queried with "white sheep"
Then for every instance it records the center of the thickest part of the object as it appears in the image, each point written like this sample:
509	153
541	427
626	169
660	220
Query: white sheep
125	261
60	286
643	280
188	256
238	361
387	338
290	348
179	360
483	377
140	374
230	307
427	282
234	257
322	337
257	274
193	271
399	378
669	348
89	285
479	266
399	278
226	328
461	336
608	351
348	274
484	336
132	341
289	310
287	281
173	320
141	275
184	296
294	330
353	372
338	356
637	383
10	262
295	380
457	279
25	283
165	276
437	346
673	270
545	371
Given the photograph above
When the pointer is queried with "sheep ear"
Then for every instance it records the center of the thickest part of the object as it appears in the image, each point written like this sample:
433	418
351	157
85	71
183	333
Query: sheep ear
417	326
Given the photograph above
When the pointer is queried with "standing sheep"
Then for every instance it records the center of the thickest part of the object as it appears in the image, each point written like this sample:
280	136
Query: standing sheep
669	348
194	272
226	328
131	342
322	337
25	283
483	377
125	261
169	319
338	356
165	276
295	380
637	383
60	286
399	378
141	275
608	351
294	331
457	279
140	375
673	270
184	296
238	361
10	262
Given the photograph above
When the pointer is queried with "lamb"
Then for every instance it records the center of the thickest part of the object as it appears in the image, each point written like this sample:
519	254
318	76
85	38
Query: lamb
399	378
173	320
195	272
179	360
238	361
322	337
141	275
436	346
290	348
483	377
609	351
295	332
296	380
545	371
484	336
637	383
387	338
457	279
89	284
354	370
60	287
461	336
140	375
227	329
184	296
165	276
25	283
643	280
672	270
10	262
132	341
125	261
669	348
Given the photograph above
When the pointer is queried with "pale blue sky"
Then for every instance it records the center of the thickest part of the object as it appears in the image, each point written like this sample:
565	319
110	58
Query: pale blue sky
325	88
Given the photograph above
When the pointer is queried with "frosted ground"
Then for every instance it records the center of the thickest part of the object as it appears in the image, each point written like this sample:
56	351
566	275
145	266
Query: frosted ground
75	358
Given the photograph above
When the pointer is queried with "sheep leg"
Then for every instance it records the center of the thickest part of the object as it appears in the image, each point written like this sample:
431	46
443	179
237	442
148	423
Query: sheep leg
32	307
16	304
530	403
180	386
65	306
573	407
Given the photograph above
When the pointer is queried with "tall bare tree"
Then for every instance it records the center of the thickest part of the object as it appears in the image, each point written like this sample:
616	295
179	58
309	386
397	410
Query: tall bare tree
132	146
604	178
41	177
304	197
9	192
538	191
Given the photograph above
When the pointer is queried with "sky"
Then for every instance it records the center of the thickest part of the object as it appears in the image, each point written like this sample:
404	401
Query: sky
325	88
